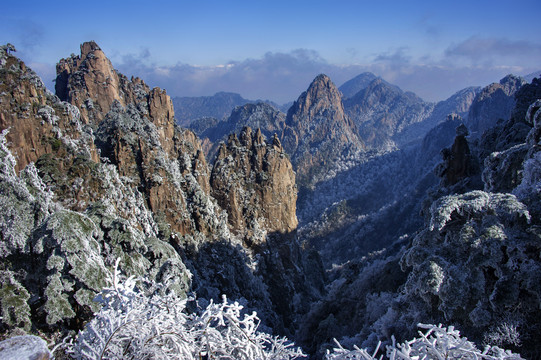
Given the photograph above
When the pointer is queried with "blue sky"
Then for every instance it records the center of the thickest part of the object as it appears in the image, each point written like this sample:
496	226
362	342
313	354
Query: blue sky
273	49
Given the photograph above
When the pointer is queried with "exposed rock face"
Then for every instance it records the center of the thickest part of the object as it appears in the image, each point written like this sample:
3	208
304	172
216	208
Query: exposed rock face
26	347
318	131
146	199
254	181
494	102
24	103
135	130
90	82
458	162
79	206
131	142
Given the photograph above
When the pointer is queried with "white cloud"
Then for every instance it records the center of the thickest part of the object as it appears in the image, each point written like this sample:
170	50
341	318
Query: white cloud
495	51
282	77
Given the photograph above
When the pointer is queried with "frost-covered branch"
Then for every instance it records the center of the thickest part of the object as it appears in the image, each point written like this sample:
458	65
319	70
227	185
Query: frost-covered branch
435	342
135	325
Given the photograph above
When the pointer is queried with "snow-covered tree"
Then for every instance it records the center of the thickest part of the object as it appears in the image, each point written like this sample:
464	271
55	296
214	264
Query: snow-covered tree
141	320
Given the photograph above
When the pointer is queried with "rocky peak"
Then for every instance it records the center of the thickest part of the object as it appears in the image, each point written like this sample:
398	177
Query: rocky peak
322	95
89	82
88	47
254	182
37	121
318	131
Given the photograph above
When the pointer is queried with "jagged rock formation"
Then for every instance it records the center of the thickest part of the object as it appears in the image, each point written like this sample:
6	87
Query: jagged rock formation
318	132
67	218
458	161
25	102
378	199
114	177
254	181
90	82
135	130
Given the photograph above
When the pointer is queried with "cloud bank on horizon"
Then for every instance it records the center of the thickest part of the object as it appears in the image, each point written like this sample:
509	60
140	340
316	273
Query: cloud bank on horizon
273	51
282	77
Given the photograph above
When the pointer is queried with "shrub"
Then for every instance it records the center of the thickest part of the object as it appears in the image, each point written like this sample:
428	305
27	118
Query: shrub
436	342
140	320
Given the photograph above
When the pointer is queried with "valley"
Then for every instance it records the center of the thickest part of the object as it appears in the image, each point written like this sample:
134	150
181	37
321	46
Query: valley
355	213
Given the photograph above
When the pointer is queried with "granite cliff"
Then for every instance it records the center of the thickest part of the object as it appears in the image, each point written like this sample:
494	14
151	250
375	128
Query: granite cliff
102	171
318	133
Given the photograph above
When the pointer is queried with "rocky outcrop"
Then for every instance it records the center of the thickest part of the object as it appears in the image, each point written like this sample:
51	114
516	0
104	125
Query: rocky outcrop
90	82
150	184
135	129
169	180
458	161
27	347
254	181
37	122
147	199
318	132
495	102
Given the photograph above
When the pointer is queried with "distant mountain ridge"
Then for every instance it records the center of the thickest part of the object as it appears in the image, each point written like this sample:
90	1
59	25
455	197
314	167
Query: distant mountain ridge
218	106
381	111
358	83
260	116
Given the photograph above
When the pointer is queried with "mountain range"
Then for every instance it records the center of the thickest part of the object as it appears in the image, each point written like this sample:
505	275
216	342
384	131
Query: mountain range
218	106
355	214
